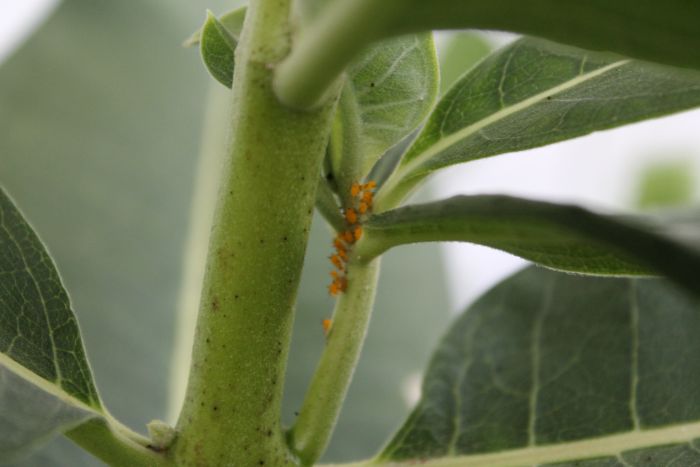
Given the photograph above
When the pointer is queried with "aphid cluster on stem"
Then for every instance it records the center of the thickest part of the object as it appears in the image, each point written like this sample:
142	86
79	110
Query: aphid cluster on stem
361	204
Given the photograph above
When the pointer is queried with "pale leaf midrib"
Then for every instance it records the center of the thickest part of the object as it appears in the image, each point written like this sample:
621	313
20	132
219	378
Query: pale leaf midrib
606	446
467	131
46	385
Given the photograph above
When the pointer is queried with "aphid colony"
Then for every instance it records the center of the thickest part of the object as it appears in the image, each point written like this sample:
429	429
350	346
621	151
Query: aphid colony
361	195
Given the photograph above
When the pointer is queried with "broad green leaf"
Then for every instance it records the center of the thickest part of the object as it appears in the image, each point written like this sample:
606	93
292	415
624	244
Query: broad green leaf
555	369
533	93
394	85
217	41
563	237
47	384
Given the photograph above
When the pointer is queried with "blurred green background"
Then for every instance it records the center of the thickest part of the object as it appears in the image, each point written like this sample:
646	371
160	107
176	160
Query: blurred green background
100	122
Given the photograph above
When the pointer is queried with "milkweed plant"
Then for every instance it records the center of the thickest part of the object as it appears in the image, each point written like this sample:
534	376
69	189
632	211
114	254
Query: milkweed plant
587	358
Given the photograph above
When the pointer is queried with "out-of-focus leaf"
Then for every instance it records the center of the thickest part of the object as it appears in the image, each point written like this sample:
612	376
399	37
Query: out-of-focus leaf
555	369
564	237
47	384
533	93
666	185
461	51
101	158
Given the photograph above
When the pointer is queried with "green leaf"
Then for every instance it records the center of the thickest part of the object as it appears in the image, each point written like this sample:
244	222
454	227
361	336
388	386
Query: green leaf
394	85
551	368
533	93
563	237
47	383
217	44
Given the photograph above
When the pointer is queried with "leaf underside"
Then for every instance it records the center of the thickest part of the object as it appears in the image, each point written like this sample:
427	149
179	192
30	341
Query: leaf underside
563	237
46	385
32	414
550	369
533	93
394	84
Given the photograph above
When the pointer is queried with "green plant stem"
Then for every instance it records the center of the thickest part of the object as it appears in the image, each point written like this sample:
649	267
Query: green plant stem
328	206
116	445
325	396
351	161
231	413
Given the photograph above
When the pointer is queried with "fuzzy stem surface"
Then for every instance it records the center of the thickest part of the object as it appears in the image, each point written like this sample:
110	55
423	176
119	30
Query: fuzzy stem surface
231	413
324	398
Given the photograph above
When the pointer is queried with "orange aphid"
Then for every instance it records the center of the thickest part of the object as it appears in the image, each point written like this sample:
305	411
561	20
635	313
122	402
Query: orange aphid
371	185
348	237
358	232
338	244
363	207
367	197
355	189
350	216
333	289
341	282
337	262
343	255
326	323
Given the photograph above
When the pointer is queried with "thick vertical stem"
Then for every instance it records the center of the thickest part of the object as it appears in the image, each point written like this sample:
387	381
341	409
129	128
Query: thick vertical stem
325	396
231	414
